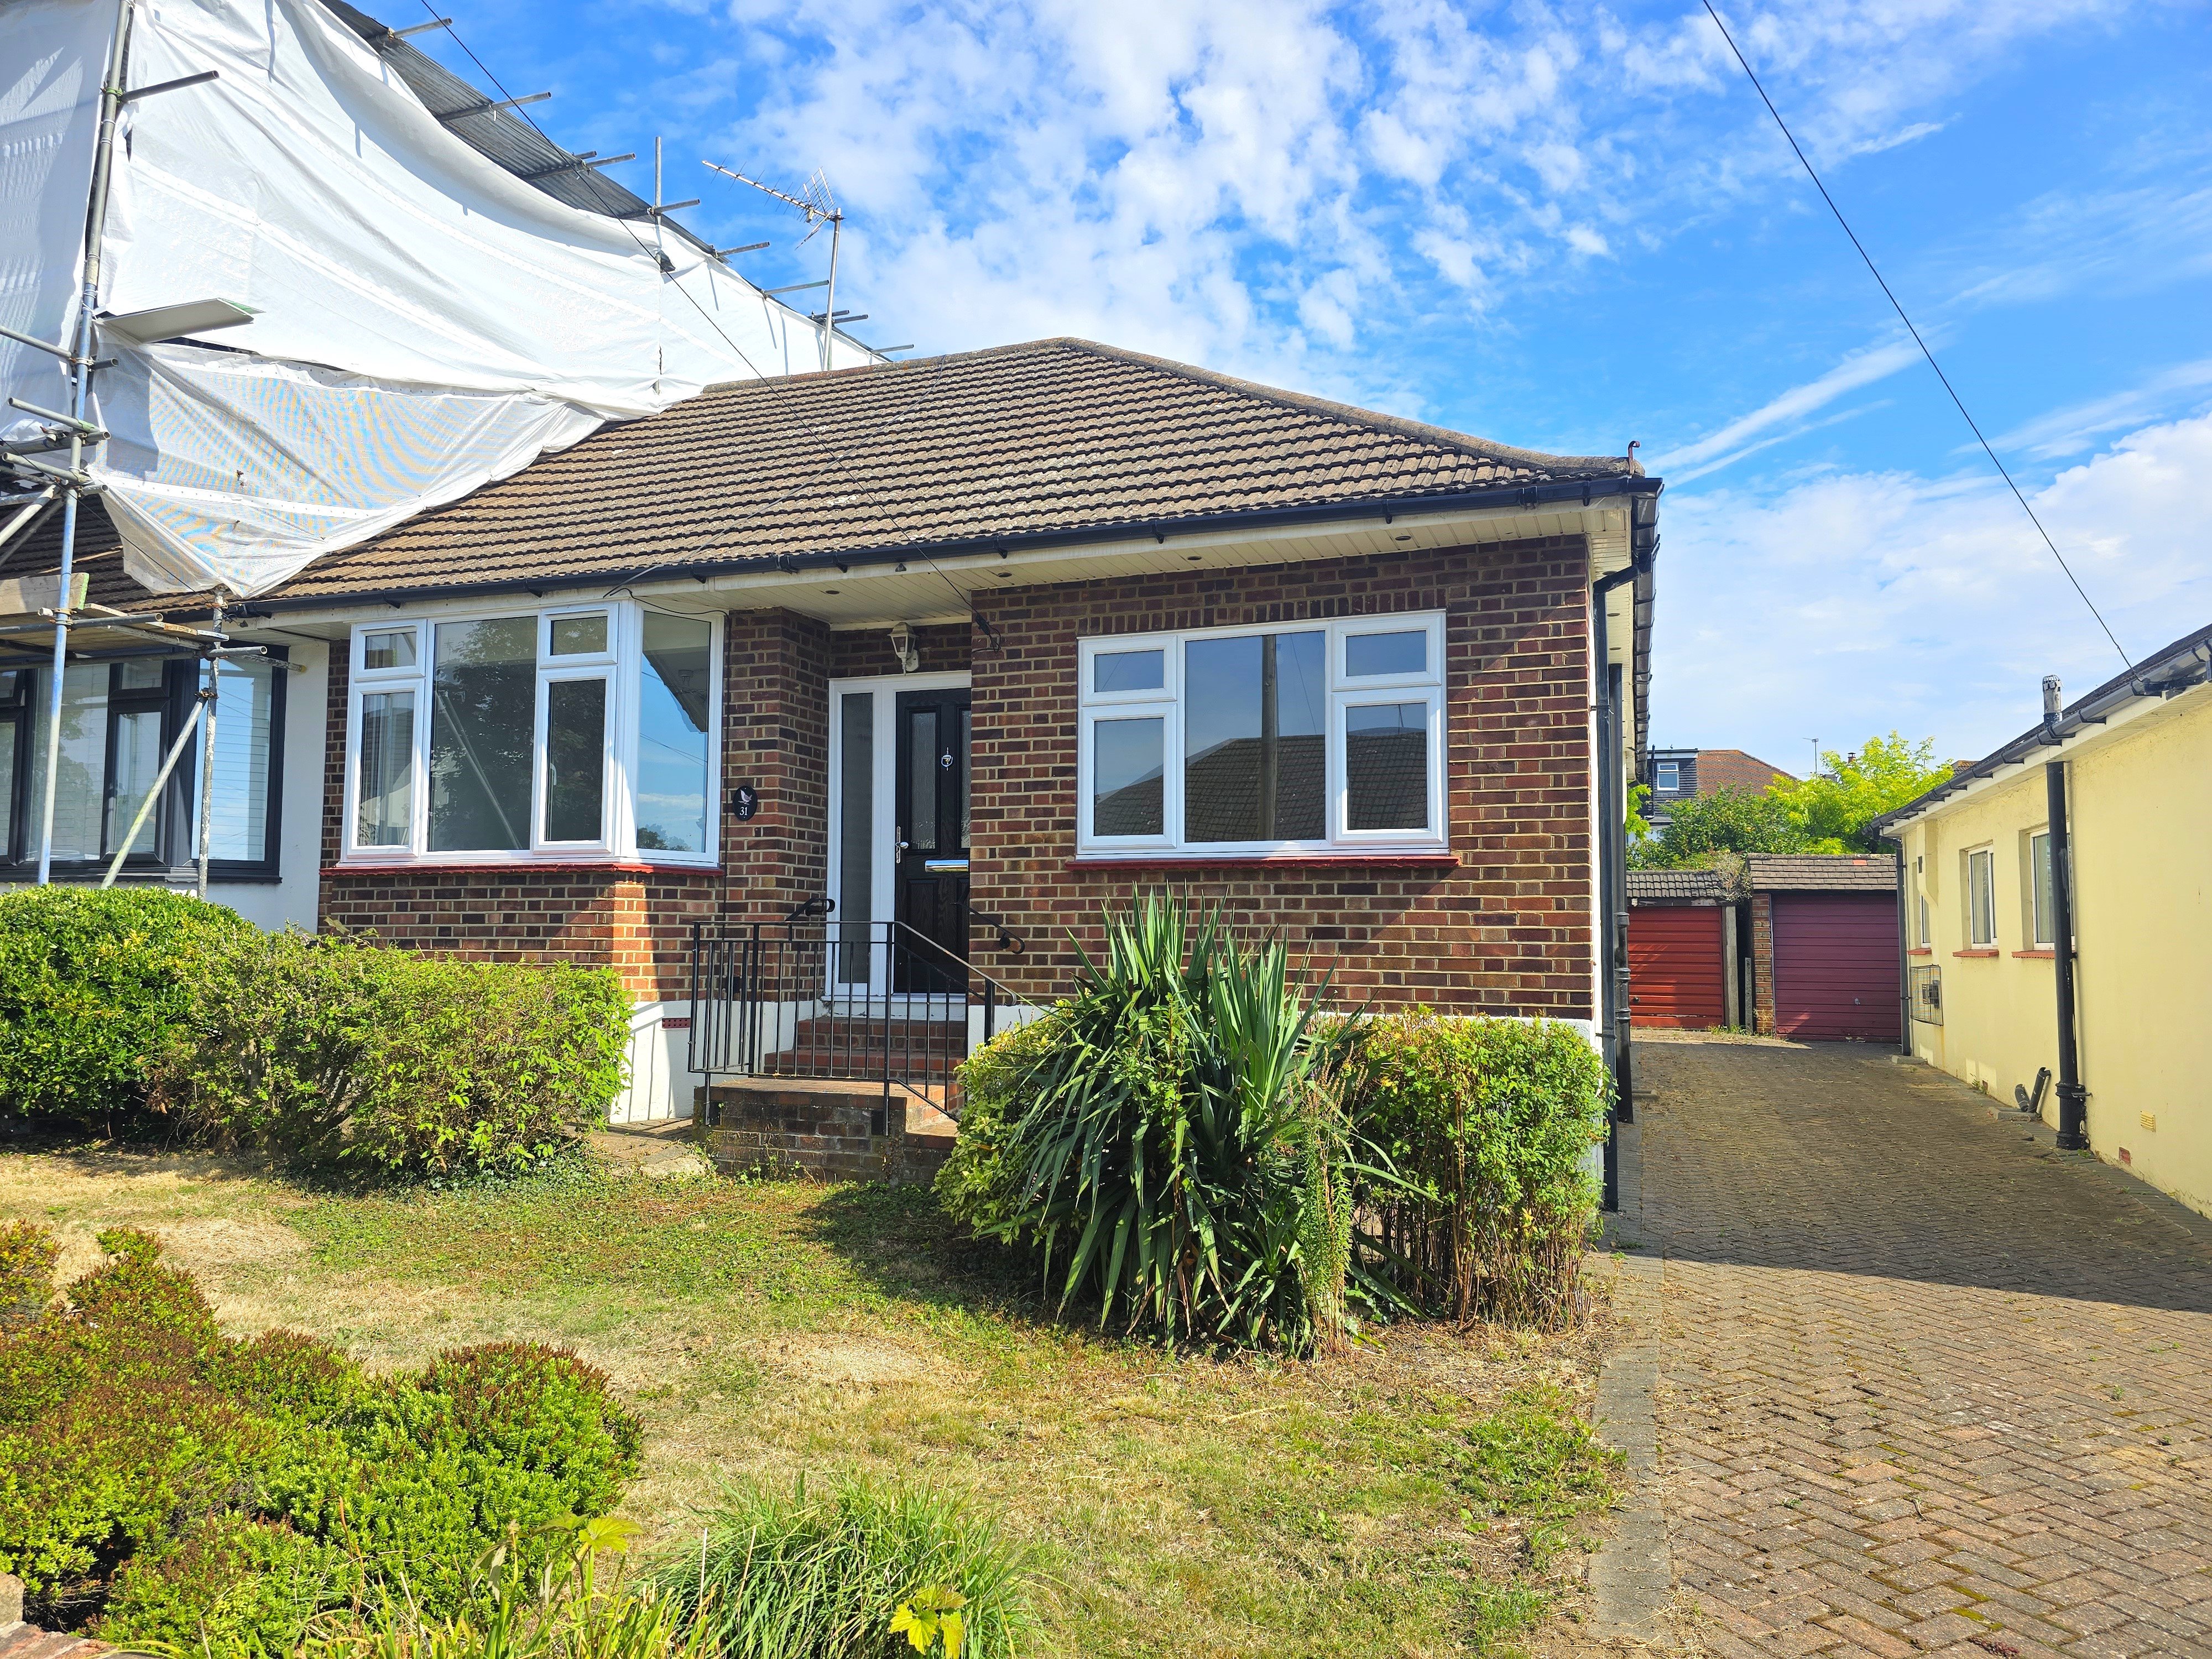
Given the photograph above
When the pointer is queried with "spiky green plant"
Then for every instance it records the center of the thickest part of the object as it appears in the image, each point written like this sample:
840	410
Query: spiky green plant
1169	1150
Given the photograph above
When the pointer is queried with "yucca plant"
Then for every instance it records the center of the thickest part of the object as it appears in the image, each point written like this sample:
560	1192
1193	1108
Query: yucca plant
1170	1149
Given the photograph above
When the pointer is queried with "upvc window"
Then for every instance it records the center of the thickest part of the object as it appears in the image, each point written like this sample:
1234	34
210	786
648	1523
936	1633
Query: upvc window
2045	927
1666	776
1256	739
582	731
1981	898
117	721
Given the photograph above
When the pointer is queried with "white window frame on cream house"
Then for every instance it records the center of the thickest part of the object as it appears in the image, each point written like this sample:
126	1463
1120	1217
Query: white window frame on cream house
398	656
1979	865
1358	677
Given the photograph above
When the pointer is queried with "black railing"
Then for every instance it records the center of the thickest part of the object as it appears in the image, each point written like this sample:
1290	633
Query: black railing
855	1001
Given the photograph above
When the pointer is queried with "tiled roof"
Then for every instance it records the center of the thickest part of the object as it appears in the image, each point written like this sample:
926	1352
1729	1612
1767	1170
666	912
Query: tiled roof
1731	769
1055	437
1823	872
1645	886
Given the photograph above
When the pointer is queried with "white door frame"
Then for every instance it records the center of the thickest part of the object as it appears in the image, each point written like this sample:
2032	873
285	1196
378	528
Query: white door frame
883	871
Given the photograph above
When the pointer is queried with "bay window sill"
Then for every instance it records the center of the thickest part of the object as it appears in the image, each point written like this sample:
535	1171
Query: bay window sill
1340	858
512	867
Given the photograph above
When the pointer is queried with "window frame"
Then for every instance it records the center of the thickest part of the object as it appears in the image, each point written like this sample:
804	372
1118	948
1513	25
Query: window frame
2042	930
1341	692
1660	782
1984	886
620	667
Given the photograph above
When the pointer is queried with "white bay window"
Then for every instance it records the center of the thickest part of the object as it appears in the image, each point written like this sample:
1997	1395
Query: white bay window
1314	736
581	732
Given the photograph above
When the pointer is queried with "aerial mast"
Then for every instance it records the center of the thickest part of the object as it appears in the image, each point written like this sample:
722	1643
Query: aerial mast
820	209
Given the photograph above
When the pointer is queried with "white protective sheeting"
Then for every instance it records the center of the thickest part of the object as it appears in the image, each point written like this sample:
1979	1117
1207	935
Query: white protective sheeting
425	321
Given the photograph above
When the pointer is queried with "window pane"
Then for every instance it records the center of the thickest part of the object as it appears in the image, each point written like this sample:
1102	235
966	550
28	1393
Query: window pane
1980	897
1670	774
1127	764
675	686
386	786
81	779
246	695
856	835
482	710
137	763
1386	763
1129	670
577	636
1254	763
967	744
575	759
922	768
1387	654
141	676
2039	861
395	649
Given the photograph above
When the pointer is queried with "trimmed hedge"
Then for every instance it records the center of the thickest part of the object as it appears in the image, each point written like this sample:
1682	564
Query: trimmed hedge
93	988
1486	1125
332	1047
164	1483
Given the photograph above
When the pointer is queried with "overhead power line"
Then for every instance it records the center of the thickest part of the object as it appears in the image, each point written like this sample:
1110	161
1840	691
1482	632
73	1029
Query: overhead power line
2125	660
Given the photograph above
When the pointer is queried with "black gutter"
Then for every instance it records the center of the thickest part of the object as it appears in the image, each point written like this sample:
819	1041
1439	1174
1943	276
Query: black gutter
1581	492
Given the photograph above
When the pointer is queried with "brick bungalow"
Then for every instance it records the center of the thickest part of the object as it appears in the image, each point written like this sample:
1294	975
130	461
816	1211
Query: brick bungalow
947	657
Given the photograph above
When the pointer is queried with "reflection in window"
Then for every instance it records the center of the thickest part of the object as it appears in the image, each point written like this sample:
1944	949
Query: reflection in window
1982	898
1386	760
1369	654
580	636
79	789
1127	766
482	694
1129	670
676	685
387	650
966	793
137	763
386	785
575	759
244	713
1253	741
2039	859
856	834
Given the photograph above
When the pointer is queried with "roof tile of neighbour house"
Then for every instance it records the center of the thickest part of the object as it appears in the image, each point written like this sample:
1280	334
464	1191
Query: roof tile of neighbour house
1731	769
1053	437
1647	886
1823	872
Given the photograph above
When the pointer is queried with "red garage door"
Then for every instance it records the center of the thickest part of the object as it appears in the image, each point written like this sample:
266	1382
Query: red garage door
1674	966
1835	966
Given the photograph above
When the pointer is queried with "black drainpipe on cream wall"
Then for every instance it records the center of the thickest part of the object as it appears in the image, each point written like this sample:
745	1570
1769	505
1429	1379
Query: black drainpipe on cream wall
2073	1098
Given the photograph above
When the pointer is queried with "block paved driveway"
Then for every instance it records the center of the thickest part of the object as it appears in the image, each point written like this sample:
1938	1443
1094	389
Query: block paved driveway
1927	1384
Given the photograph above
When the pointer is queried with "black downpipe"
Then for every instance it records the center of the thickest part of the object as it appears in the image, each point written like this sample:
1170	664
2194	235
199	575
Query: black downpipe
1612	862
2073	1098
1903	953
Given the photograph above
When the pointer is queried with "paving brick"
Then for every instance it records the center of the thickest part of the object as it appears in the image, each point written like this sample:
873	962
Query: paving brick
1904	1409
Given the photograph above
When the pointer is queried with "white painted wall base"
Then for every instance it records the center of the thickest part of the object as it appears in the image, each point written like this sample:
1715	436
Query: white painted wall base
660	1086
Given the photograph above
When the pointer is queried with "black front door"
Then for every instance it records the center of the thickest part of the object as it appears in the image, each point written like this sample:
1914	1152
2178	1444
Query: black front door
931	812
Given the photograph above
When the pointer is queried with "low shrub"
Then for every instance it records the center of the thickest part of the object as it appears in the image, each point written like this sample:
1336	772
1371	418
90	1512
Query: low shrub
1486	1126
94	986
826	1575
332	1047
173	1485
1167	1136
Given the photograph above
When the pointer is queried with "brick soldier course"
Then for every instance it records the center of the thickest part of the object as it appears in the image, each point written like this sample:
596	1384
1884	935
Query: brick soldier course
1927	1385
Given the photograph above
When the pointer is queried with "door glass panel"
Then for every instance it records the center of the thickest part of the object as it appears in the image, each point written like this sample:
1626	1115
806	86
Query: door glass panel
966	737
386	785
1254	752
921	769
1386	654
80	781
1129	670
1126	769
856	834
1386	763
245	694
482	714
675	687
575	759
137	763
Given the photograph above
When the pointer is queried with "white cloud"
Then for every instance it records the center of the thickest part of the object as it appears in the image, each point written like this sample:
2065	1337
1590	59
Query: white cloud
2070	431
1859	369
1851	603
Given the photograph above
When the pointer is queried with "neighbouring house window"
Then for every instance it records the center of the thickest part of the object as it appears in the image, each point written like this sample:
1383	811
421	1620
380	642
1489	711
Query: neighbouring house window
1981	898
2038	866
118	719
533	734
1667	775
1253	739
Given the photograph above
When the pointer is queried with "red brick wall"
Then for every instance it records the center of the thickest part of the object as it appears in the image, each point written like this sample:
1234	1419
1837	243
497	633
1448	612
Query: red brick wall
1508	931
775	715
859	653
1762	963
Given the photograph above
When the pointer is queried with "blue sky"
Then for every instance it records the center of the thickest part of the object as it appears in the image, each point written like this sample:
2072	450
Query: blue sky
1562	226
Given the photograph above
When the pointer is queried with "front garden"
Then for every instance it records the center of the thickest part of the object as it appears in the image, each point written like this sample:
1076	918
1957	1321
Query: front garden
826	1410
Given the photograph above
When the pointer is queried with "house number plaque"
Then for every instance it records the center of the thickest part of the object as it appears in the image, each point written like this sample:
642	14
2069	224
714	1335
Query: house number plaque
744	802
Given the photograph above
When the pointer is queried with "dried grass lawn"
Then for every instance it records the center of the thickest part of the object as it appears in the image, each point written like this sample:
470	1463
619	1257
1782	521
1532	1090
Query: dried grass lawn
1187	1505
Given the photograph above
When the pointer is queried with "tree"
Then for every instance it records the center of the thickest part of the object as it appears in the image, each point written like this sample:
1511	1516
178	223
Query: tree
1831	811
1726	821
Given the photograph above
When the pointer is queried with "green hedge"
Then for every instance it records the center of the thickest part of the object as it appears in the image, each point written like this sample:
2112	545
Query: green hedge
1485	1126
160	1482
93	987
329	1046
